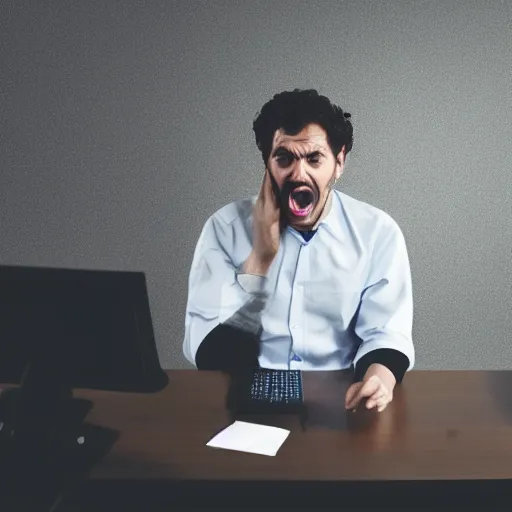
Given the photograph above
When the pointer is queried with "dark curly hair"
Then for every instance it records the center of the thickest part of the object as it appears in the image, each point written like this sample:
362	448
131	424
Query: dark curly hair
291	111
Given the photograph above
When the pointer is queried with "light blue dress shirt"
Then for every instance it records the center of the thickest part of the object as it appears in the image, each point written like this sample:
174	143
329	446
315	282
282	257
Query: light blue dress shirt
327	302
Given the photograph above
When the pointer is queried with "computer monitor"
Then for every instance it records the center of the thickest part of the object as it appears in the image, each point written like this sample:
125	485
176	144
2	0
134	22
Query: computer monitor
64	328
95	323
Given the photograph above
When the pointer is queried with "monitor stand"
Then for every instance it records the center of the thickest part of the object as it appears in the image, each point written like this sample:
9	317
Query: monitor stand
45	445
41	409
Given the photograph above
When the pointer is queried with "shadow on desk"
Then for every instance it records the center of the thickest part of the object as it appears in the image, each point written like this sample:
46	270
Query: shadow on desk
500	386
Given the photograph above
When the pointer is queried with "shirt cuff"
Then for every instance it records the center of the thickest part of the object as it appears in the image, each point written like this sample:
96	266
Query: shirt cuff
394	360
248	317
228	349
251	283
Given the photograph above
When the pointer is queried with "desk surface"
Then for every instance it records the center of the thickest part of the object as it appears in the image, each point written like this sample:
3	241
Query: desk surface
441	425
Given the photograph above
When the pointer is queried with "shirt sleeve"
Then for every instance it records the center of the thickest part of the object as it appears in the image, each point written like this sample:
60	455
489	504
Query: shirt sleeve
223	304
384	321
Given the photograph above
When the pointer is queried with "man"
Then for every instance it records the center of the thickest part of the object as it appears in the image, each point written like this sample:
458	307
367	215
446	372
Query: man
303	276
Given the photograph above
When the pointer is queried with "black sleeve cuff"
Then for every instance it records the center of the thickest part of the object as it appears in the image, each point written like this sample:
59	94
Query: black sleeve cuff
394	360
228	349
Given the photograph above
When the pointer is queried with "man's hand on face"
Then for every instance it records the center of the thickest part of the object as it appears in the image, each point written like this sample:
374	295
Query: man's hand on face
376	389
266	230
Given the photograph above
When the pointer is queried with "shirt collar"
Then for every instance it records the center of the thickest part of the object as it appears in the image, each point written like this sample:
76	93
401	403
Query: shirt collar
325	212
332	217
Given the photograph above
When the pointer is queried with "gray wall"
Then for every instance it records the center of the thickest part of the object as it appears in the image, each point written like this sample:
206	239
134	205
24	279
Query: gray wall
125	125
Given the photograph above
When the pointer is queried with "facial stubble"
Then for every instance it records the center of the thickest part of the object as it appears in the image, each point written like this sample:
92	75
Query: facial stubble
282	201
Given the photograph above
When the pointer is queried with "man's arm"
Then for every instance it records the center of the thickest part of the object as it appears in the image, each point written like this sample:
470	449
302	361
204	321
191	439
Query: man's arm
223	315
384	321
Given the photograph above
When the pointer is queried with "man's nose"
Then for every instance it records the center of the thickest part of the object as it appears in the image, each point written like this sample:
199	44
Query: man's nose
298	170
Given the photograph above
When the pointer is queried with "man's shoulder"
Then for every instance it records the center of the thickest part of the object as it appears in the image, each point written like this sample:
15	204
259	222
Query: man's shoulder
235	212
366	215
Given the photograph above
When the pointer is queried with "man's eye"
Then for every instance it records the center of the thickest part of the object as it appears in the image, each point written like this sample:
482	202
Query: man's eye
314	159
284	161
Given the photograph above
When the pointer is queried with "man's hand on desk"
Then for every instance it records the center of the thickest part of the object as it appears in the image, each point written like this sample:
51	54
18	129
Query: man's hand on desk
377	387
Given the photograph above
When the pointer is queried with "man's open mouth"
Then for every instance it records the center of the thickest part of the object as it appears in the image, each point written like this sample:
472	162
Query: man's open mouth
301	201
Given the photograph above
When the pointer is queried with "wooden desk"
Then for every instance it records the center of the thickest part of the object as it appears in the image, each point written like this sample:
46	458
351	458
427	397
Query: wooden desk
445	436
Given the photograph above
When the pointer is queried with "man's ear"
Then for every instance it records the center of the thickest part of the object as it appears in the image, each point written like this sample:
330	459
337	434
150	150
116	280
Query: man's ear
340	163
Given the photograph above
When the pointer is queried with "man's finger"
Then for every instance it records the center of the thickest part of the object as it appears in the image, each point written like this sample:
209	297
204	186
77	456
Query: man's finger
377	401
381	392
363	390
263	185
272	195
370	387
382	407
352	391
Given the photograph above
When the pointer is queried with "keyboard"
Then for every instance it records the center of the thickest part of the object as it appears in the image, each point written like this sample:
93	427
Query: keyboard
267	391
277	386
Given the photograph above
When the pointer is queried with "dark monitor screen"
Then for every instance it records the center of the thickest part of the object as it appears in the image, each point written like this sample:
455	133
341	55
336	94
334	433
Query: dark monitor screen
93	327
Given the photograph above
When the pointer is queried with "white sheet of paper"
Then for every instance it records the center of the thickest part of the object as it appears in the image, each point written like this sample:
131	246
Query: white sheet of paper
250	437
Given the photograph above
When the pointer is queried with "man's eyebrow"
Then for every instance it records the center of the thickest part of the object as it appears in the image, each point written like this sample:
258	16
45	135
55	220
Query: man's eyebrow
316	152
281	150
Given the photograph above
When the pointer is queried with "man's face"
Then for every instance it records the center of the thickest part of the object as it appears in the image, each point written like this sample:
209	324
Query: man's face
303	170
